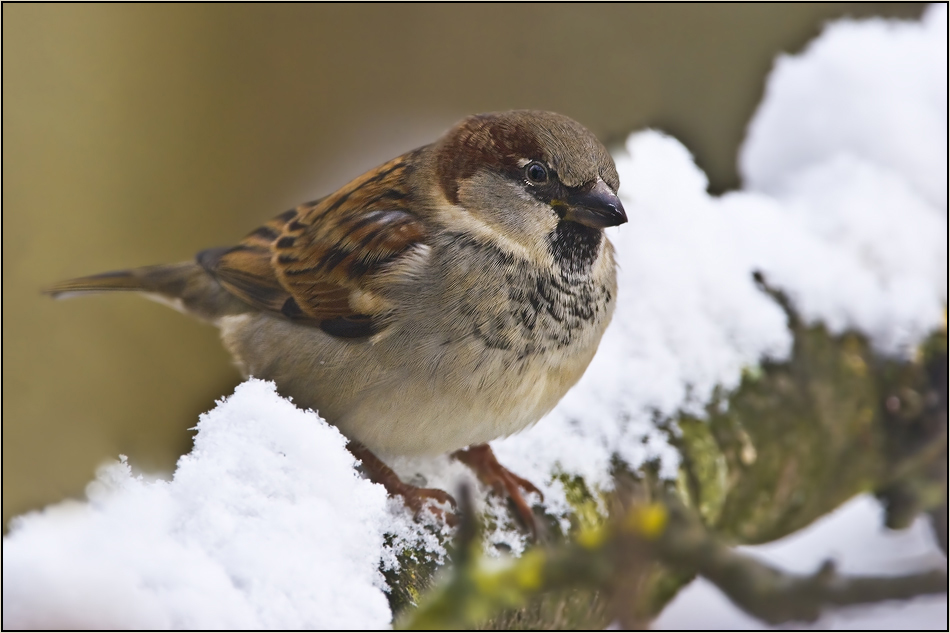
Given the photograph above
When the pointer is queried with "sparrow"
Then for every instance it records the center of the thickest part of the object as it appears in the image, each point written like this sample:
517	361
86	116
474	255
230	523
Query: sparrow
449	297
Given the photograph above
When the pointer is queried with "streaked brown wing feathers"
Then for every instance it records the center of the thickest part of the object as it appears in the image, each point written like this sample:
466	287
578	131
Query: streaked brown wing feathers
306	263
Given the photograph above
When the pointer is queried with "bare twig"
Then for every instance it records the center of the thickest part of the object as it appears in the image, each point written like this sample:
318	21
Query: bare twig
777	596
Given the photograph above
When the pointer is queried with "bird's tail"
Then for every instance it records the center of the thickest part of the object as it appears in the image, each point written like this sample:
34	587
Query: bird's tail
148	279
185	286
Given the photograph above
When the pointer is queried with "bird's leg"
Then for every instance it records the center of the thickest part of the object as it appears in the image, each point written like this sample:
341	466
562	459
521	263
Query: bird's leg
481	459
415	497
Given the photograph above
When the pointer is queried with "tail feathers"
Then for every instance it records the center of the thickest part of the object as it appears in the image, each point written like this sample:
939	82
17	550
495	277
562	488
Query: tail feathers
186	287
126	280
170	280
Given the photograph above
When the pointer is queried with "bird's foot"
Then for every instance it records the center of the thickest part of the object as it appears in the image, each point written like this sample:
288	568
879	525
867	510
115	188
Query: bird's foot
416	498
502	481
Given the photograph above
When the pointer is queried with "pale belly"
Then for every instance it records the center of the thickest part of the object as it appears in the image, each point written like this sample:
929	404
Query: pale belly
441	415
426	400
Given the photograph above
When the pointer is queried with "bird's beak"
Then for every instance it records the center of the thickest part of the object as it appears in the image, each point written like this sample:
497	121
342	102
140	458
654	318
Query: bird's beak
597	207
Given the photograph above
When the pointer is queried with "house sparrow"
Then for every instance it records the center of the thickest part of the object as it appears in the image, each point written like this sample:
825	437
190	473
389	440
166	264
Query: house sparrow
444	299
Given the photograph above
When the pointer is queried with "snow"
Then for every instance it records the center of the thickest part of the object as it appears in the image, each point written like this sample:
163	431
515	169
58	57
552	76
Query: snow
266	523
852	138
875	89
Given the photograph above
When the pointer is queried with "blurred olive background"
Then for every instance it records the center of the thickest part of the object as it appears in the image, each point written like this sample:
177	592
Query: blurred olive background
140	134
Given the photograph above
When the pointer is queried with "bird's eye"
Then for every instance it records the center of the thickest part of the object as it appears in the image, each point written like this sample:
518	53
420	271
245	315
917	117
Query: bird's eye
536	173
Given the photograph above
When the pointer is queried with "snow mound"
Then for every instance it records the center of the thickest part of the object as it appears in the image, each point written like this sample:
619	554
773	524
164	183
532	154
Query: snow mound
266	524
873	88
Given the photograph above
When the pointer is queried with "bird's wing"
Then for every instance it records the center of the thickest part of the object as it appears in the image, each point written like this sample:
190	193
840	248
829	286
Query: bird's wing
315	264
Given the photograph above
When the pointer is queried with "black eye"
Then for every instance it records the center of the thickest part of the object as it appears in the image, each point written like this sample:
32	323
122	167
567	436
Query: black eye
536	173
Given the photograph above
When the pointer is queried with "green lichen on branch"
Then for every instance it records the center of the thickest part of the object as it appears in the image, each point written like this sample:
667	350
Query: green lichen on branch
806	435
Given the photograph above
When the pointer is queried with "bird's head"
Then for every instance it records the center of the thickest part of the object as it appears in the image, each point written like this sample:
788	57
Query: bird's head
539	179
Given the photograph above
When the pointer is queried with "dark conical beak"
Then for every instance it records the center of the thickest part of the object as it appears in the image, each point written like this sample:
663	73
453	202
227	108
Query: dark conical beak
597	207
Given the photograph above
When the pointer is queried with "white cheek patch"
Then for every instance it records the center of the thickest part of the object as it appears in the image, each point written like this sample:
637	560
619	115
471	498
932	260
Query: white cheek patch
462	220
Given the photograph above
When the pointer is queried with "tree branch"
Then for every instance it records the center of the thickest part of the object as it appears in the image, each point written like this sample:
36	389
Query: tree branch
607	558
773	595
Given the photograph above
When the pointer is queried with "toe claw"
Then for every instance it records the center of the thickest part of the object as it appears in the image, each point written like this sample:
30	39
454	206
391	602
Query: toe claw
502	481
414	497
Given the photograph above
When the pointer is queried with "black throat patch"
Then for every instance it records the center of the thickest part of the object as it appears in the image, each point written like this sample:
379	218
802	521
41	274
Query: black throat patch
575	247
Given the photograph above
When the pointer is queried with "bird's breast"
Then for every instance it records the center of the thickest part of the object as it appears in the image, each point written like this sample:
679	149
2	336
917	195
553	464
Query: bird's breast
515	336
514	306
